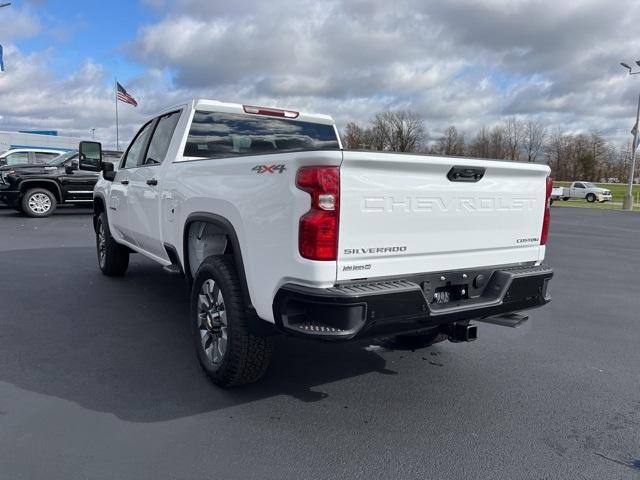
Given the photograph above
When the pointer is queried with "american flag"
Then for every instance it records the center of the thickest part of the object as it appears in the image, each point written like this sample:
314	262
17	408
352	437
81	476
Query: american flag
123	96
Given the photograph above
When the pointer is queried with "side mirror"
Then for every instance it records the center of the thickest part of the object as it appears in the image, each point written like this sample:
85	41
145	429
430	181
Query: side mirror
69	169
108	171
90	156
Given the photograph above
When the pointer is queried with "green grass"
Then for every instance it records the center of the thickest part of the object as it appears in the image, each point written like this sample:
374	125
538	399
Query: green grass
618	190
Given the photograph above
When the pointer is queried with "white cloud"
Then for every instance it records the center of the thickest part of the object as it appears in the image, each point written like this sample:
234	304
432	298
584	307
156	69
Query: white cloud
18	23
464	62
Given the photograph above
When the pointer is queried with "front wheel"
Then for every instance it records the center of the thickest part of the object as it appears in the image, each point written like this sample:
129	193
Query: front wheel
228	353
591	198
564	199
113	258
38	202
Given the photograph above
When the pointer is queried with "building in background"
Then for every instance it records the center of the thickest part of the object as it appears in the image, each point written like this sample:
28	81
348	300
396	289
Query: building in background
40	138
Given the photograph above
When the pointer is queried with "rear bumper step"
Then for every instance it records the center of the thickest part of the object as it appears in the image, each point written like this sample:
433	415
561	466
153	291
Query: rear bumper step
376	309
513	320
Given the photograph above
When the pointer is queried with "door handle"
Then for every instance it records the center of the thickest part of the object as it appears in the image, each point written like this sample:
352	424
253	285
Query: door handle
124	182
152	181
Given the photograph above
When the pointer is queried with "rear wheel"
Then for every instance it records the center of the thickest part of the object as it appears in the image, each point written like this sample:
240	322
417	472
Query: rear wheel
564	199
591	197
38	202
228	353
113	258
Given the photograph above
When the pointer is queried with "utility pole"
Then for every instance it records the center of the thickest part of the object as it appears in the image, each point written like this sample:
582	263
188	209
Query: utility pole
93	134
627	203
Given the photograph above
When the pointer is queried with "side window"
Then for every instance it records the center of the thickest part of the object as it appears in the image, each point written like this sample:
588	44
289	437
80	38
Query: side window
17	158
578	185
133	157
111	158
161	138
44	157
72	161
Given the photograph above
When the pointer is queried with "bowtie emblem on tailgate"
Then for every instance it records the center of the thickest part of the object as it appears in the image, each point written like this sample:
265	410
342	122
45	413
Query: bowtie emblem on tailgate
465	174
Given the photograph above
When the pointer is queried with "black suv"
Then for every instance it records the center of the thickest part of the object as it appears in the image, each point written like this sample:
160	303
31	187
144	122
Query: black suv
37	189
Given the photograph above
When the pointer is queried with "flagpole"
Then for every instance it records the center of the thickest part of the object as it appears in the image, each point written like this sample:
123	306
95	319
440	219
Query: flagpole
115	85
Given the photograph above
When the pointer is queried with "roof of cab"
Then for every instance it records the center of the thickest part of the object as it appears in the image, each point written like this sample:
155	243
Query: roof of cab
238	108
225	107
33	149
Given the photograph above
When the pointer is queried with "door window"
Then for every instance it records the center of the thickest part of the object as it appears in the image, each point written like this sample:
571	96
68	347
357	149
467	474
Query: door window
17	158
578	185
134	154
44	157
161	138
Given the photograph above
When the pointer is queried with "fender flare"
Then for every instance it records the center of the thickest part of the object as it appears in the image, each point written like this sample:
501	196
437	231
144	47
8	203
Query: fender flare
226	227
98	198
35	180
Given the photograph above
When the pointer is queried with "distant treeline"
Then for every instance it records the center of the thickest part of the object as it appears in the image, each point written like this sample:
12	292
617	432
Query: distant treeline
570	156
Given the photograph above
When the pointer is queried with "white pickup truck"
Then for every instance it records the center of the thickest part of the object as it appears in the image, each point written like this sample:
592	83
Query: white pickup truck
583	190
279	230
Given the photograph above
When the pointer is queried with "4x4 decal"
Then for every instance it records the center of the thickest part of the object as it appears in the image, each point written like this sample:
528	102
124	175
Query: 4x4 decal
269	168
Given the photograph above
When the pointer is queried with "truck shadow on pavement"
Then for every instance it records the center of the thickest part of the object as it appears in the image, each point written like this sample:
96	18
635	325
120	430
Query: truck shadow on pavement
123	345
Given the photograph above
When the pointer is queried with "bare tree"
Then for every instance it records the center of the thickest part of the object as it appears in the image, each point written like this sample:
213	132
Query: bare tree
514	130
556	157
481	145
353	136
497	143
451	143
534	135
399	131
380	131
584	156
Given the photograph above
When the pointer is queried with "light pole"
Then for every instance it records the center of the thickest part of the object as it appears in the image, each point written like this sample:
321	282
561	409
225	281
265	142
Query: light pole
627	203
93	134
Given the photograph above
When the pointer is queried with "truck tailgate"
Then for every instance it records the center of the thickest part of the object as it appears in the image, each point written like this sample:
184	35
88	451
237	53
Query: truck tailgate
401	214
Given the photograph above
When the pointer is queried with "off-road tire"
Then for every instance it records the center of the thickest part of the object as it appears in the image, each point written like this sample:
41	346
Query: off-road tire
38	202
113	259
247	356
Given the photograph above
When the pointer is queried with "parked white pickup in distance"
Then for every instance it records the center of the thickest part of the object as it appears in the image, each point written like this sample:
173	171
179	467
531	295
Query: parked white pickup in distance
279	230
582	190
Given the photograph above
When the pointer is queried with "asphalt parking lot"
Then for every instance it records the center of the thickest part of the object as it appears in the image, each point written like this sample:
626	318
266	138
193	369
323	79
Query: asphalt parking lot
98	378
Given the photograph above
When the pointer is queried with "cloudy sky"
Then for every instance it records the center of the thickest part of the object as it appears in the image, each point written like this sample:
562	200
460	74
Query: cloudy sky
460	62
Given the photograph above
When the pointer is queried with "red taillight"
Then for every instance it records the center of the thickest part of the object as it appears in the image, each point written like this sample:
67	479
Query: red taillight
318	234
271	112
547	213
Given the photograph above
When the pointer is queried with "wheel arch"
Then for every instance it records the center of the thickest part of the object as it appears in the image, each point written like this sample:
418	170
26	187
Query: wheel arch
225	227
39	183
99	206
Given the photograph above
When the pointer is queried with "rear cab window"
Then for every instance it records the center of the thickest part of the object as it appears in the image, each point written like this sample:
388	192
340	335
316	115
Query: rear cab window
221	135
